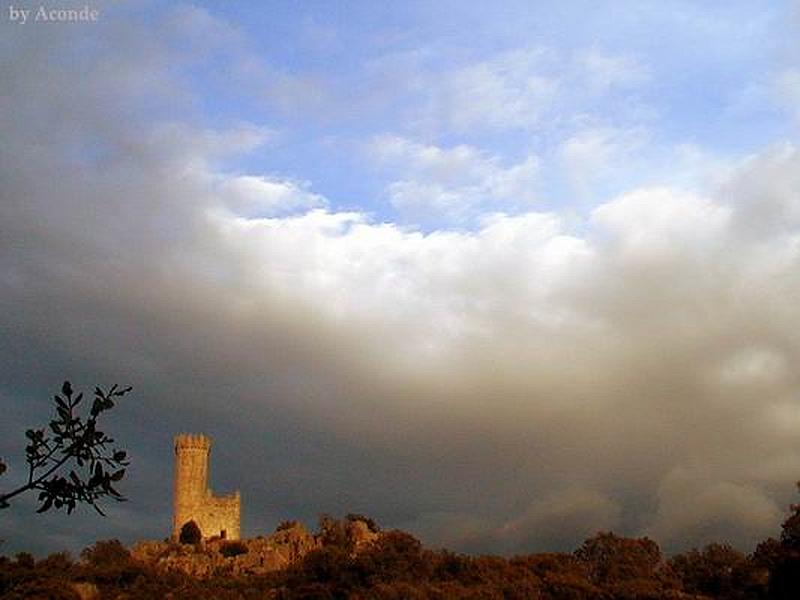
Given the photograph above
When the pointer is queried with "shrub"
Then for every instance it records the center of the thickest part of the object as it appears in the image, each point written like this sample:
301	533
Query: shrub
285	525
41	588
231	549
106	553
371	524
25	560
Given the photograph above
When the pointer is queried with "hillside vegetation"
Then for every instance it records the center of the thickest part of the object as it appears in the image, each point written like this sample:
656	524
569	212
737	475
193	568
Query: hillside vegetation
352	558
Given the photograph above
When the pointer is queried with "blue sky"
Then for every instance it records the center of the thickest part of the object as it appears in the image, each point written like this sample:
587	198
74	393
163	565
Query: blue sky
500	275
619	80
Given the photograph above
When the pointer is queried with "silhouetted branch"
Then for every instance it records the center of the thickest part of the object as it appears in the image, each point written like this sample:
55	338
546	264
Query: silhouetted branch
76	440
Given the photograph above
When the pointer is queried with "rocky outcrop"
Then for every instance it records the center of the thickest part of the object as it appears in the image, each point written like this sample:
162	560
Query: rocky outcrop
360	534
214	557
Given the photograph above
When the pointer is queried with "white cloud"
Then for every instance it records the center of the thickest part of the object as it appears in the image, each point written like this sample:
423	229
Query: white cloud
596	155
457	183
505	92
254	196
764	190
199	146
659	222
605	71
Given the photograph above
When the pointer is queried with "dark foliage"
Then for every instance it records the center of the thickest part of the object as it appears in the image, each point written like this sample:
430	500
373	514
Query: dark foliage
109	564
370	523
718	570
106	553
784	581
285	525
231	549
71	461
395	566
790	530
610	558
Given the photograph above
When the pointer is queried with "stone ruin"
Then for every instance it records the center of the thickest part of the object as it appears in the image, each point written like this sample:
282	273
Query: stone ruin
216	516
221	549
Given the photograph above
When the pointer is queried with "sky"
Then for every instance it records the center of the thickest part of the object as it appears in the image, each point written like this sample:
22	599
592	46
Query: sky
501	275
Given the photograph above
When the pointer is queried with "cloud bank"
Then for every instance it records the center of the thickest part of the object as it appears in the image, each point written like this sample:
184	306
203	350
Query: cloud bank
508	387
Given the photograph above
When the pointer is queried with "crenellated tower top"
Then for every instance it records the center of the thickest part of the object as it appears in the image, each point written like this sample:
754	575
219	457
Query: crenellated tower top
192	441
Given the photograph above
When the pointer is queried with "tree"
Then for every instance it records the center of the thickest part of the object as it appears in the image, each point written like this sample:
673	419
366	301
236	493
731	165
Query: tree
610	558
790	529
784	579
718	571
73	442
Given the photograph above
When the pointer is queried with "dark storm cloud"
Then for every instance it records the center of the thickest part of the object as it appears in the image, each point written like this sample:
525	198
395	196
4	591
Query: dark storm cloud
509	389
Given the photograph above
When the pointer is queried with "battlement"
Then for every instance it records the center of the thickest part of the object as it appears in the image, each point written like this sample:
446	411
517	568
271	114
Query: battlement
195	441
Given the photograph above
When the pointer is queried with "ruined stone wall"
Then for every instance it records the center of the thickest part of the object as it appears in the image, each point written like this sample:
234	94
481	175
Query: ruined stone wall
193	501
219	515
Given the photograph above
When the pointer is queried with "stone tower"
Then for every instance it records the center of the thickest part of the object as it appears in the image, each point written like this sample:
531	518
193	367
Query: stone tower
194	501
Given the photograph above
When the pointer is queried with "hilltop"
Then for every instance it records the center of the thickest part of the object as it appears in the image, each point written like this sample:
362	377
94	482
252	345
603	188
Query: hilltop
354	558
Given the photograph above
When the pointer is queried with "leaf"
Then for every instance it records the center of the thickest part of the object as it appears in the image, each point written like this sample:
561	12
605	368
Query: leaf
66	389
117	475
46	506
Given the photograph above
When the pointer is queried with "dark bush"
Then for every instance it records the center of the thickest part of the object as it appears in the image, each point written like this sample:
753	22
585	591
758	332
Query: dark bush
609	557
106	553
25	559
370	523
43	588
231	549
285	525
